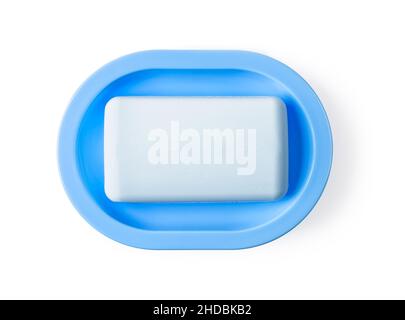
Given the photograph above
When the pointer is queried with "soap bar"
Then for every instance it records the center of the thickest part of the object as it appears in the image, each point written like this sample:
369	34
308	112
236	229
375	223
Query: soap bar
180	149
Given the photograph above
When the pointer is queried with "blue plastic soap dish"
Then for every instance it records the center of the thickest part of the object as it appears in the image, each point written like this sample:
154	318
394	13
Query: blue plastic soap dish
194	225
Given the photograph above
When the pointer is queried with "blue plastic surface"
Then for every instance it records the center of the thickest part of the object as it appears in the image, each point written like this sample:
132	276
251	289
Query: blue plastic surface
194	225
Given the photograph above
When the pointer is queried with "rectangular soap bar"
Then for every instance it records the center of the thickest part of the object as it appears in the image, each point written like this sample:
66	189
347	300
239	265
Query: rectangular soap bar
161	149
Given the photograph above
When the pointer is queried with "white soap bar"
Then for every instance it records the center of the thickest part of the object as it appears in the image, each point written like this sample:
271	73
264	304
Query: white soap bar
159	149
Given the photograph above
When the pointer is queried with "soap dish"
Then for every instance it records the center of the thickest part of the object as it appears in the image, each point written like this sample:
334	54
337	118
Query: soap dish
193	224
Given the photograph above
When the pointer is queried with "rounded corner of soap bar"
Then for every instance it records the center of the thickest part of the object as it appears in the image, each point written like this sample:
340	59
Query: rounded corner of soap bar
280	105
277	100
280	194
111	193
112	103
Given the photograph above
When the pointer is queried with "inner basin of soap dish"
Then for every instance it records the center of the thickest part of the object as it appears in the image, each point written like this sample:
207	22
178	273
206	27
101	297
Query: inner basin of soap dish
189	216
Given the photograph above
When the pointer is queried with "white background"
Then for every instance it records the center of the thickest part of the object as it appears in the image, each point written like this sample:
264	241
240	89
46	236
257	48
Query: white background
351	52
